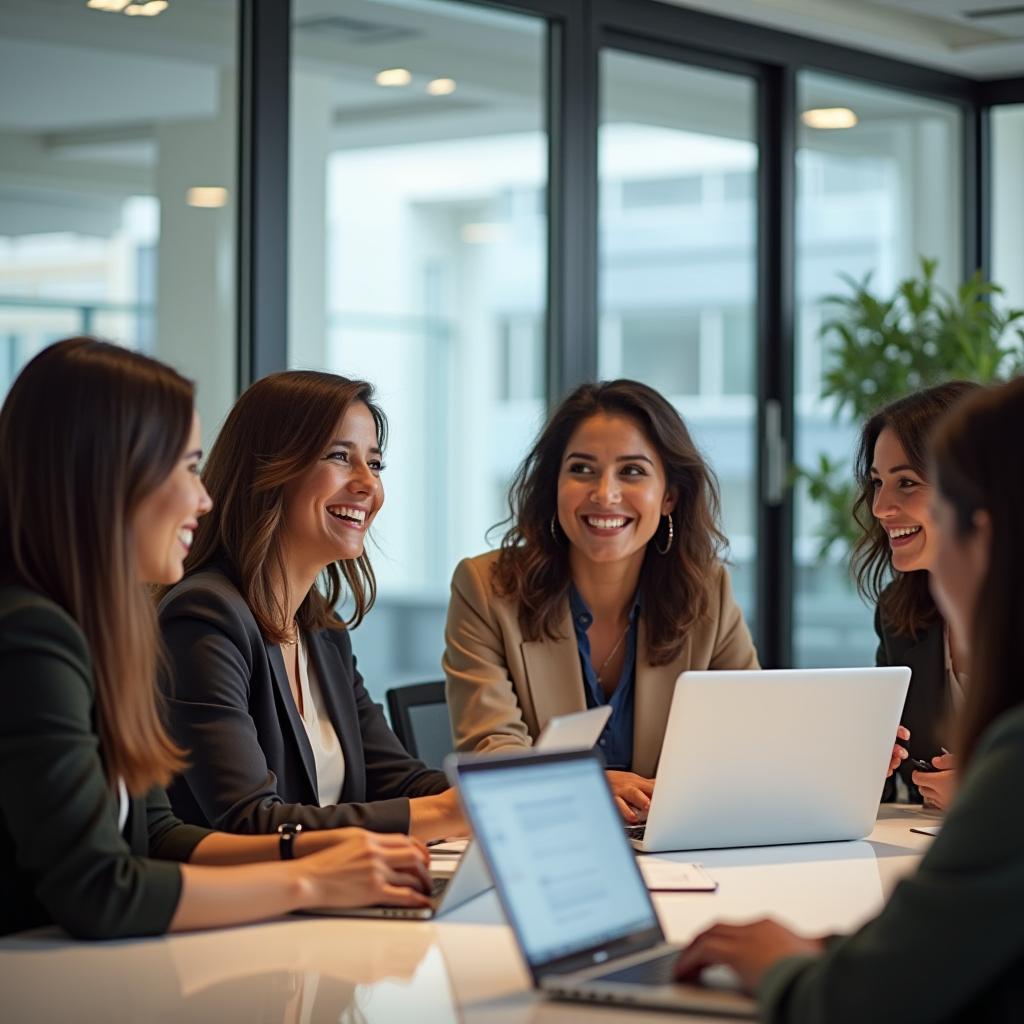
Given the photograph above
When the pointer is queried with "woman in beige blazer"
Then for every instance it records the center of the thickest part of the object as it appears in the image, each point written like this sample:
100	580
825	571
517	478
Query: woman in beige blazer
607	585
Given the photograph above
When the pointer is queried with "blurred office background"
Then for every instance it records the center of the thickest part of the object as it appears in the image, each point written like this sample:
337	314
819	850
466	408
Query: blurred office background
477	204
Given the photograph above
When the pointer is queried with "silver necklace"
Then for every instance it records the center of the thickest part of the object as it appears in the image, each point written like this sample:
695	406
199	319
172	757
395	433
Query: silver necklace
614	650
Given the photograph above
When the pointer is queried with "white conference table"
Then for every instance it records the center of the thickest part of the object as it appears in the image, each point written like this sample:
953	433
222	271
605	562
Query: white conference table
465	967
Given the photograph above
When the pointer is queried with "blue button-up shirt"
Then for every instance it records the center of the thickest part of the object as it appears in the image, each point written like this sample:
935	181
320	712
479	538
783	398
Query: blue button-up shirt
616	742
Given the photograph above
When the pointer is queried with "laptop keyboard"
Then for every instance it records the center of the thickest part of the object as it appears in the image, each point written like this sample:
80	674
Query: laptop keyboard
658	971
438	886
635	831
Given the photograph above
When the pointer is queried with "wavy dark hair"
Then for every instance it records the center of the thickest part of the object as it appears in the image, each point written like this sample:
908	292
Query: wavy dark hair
274	433
903	598
86	433
533	568
978	464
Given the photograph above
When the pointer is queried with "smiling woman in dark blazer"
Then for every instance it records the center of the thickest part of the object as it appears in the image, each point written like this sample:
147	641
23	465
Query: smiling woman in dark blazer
263	688
98	456
892	563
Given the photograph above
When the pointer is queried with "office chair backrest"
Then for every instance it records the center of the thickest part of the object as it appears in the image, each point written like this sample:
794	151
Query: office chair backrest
419	718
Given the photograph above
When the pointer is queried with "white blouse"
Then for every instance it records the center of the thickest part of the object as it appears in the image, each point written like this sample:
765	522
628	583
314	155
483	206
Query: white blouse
327	752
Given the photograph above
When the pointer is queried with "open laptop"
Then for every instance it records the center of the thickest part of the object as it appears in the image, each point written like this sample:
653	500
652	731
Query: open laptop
771	757
570	887
577	731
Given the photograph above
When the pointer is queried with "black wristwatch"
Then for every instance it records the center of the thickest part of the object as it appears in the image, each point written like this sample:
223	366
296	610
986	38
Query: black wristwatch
286	834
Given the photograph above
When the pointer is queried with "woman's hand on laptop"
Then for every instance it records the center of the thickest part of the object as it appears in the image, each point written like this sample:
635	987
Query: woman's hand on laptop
899	752
363	868
632	794
749	949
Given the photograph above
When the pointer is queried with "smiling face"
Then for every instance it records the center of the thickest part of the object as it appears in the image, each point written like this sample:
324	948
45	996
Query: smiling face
901	503
167	517
328	510
611	490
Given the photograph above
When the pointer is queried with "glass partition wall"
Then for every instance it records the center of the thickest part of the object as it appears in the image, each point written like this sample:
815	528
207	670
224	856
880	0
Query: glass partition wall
878	187
117	185
418	262
417	142
677	163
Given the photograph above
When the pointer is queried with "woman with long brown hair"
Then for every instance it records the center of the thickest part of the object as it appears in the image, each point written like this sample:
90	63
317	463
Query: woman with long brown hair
98	497
892	560
607	585
263	686
947	946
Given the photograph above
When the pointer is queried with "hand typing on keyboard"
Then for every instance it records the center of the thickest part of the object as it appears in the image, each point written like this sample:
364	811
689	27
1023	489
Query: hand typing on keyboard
747	949
632	794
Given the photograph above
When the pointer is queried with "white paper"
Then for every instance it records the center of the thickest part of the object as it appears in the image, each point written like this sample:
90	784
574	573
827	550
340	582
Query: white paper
663	875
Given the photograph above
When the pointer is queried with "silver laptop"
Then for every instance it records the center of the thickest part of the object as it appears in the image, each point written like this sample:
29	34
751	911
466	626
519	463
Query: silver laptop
771	757
570	887
577	731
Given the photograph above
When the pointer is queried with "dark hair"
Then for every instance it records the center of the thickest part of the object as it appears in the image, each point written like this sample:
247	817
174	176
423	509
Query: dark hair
533	567
903	598
979	465
274	433
86	433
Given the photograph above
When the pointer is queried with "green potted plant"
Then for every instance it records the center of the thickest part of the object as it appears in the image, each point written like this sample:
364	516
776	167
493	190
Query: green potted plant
881	348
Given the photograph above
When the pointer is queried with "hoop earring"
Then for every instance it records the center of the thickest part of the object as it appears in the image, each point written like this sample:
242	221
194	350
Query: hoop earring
554	535
671	537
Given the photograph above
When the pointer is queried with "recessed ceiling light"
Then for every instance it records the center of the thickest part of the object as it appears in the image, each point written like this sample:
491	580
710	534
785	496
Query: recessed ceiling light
147	10
829	117
133	9
393	76
483	233
441	86
207	197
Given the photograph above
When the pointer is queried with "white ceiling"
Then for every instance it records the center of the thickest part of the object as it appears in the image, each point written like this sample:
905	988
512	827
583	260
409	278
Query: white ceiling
938	33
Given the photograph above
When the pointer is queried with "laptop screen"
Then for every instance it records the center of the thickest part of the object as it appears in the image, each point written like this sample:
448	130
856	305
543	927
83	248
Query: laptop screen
558	854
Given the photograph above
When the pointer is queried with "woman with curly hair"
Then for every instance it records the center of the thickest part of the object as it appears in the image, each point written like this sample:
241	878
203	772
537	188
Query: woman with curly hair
607	585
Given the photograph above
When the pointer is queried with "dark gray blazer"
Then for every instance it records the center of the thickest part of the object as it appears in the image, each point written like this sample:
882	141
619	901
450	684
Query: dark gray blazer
948	947
927	704
251	767
63	859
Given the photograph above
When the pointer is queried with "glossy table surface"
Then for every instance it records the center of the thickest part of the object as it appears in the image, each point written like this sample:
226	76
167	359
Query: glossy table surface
463	967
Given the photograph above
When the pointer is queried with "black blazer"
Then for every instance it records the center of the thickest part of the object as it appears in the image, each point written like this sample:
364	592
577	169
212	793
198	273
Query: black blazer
63	859
927	704
251	767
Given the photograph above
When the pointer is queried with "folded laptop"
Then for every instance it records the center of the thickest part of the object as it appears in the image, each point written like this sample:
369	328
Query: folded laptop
570	887
577	731
771	757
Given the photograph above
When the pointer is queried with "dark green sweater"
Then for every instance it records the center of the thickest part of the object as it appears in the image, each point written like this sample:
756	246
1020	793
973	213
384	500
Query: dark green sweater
62	858
949	944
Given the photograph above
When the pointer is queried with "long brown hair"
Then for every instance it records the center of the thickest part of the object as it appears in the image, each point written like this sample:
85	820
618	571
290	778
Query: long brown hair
533	566
276	431
979	465
903	598
86	433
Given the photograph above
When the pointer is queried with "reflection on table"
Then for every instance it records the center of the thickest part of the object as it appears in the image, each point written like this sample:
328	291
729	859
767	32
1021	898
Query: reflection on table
465	967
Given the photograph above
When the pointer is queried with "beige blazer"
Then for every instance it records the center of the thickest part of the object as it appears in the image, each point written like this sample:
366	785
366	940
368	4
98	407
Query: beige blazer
503	689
